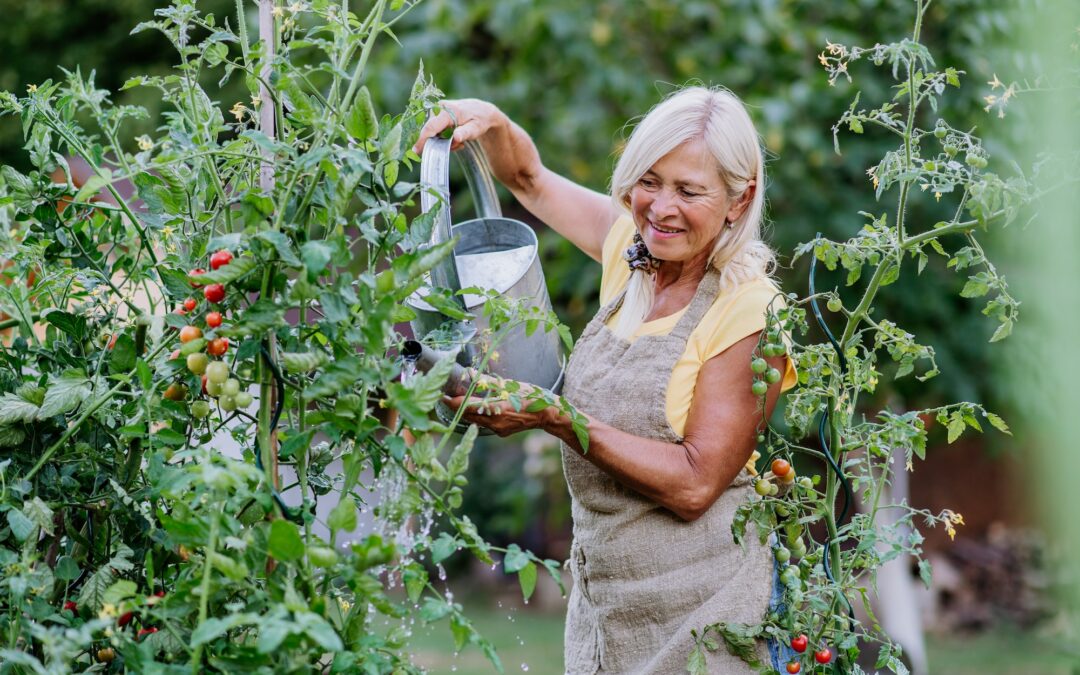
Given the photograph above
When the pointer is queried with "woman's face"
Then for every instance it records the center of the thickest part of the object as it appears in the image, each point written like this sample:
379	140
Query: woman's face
680	204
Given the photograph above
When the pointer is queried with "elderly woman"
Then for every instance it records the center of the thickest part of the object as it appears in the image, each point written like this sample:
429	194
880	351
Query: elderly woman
662	373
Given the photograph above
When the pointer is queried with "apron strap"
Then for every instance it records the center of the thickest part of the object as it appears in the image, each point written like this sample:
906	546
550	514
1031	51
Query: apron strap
703	299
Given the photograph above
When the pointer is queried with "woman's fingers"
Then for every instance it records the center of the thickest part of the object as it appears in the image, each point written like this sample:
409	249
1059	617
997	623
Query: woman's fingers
464	117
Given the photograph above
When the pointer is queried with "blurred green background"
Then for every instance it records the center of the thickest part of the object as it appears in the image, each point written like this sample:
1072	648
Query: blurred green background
574	74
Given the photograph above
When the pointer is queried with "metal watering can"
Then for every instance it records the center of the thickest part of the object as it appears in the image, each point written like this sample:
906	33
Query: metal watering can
496	253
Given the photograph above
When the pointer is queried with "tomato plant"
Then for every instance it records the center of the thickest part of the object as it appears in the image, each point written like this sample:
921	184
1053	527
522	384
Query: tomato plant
116	488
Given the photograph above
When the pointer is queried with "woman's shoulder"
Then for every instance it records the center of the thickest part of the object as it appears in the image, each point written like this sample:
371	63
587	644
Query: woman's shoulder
615	271
736	313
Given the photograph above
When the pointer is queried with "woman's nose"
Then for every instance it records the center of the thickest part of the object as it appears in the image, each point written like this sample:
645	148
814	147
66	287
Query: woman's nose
663	204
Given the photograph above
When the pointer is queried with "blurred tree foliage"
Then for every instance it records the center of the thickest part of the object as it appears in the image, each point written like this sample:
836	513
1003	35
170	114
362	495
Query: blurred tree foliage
574	74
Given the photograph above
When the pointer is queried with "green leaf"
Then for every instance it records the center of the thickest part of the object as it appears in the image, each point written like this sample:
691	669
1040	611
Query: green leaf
956	426
361	122
459	459
340	377
998	423
527	579
316	255
93	591
93	185
444	547
285	542
695	663
68	323
303	362
256	319
212	628
119	591
390	144
226	274
21	526
123	357
64	394
282	244
15	408
66	568
39	512
462	631
343	515
146	377
1003	331
515	559
415	578
11	437
415	399
233	569
925	572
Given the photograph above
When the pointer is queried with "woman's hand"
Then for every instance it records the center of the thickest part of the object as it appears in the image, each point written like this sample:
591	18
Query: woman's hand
469	118
496	413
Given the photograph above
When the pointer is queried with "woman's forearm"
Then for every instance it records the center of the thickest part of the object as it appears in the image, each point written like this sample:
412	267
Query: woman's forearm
671	474
512	155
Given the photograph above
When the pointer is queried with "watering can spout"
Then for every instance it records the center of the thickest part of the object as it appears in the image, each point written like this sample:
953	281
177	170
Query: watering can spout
424	358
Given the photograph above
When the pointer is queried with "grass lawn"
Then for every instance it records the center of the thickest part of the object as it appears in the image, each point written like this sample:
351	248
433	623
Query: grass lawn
531	640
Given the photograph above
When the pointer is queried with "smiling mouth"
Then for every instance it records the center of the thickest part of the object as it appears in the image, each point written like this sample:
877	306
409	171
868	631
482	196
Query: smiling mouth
665	230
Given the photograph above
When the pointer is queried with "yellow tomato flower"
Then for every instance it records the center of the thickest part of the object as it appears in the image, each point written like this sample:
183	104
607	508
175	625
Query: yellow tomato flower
238	110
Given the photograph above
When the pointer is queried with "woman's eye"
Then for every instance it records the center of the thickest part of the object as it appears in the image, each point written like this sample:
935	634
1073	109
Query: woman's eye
687	193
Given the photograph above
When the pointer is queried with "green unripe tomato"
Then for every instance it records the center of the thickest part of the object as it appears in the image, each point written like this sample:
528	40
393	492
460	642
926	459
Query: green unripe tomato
243	399
217	372
781	554
806	483
761	438
941	132
799	548
197	362
200	409
213	388
972	160
759	366
981	163
950	149
227	403
231	387
322	556
782	511
763	487
772	375
774	489
759	388
834	304
930	166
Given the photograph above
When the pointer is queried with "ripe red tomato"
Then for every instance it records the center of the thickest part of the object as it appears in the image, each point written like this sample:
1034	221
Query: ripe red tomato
793	667
823	655
176	392
71	606
204	384
213	319
217	346
780	467
125	619
189	333
222	257
189	304
143	632
799	643
214	292
195	272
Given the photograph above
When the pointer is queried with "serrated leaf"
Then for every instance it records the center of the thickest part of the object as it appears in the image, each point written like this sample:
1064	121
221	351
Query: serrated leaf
225	274
122	358
254	320
459	459
119	591
21	526
443	547
415	578
64	394
68	323
40	513
11	437
92	594
303	362
998	423
338	378
343	515
316	255
361	122
956	426
16	409
233	569
1003	331
282	244
66	568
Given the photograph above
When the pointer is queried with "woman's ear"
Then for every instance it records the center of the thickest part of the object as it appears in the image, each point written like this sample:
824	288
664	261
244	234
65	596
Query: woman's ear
739	206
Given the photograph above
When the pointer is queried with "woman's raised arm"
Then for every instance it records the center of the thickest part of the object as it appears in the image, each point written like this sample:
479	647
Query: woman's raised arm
581	215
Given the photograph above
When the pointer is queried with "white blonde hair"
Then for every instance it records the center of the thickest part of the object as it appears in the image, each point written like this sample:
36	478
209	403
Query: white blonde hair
717	117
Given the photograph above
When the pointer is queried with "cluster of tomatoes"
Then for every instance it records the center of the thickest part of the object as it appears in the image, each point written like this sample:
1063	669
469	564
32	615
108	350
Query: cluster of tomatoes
215	375
108	654
799	644
764	374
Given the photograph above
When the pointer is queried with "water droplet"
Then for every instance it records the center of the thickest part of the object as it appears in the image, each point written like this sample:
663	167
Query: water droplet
525	667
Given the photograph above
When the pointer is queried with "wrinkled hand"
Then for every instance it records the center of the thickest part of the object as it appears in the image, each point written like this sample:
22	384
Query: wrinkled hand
495	412
470	119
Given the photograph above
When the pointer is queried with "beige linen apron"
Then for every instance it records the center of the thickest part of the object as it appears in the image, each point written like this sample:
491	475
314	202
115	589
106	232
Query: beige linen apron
643	577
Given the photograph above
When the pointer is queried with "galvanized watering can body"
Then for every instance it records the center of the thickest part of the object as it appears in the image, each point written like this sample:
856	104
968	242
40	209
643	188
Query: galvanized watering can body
494	253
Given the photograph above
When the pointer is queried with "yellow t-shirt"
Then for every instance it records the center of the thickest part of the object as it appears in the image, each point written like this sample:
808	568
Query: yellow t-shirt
733	316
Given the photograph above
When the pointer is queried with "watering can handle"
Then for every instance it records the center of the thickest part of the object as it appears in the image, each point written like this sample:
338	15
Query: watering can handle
435	175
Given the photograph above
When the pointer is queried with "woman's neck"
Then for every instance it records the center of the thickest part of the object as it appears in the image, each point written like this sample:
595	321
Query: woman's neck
673	275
